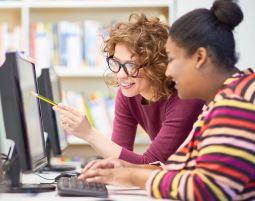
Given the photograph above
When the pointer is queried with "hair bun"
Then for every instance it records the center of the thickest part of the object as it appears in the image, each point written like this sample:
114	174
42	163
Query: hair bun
227	13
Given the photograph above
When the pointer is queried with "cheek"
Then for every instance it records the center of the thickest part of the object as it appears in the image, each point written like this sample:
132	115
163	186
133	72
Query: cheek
142	84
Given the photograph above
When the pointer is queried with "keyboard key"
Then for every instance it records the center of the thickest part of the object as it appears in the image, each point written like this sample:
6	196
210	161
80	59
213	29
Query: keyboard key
71	186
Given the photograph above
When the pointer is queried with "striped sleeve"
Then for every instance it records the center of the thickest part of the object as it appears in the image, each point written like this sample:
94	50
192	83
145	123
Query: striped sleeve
225	158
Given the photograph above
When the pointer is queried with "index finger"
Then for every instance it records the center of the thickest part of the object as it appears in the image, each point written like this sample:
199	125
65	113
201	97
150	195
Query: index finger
94	173
89	165
68	108
100	164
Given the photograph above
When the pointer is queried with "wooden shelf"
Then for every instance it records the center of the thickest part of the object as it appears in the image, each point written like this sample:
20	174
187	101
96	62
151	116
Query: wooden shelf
66	72
98	4
84	4
11	4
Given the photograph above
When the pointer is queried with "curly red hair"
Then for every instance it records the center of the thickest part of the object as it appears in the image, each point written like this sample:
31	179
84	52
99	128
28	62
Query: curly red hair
145	38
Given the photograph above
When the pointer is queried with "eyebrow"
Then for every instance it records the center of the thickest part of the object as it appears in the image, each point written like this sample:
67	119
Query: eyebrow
128	61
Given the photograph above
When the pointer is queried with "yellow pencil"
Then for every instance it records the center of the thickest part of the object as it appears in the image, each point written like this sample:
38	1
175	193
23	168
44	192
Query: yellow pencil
44	98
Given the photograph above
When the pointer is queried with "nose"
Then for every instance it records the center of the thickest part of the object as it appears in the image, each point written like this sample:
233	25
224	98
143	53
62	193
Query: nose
122	74
168	71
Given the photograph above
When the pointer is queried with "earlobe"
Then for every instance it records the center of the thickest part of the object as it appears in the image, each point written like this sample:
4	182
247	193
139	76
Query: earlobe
201	55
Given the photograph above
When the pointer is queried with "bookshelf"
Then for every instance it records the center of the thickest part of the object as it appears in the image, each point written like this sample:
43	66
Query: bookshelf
24	13
79	73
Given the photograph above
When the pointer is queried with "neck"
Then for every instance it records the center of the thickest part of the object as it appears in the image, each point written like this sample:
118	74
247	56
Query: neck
217	79
148	97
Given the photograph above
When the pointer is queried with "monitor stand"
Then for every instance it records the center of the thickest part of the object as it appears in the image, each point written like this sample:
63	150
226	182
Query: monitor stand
55	168
13	173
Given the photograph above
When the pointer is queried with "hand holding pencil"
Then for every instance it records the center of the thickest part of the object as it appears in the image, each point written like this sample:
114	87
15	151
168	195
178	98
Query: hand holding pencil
72	120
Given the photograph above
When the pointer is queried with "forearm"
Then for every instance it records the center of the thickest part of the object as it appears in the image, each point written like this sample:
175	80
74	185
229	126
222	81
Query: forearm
139	176
102	144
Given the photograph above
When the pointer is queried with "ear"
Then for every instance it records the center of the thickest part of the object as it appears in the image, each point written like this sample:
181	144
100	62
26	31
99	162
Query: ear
201	55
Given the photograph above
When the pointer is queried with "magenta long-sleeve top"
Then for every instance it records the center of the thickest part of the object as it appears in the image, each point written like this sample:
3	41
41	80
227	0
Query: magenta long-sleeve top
167	122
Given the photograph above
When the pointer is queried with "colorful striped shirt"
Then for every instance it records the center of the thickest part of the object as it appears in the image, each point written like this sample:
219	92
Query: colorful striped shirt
218	163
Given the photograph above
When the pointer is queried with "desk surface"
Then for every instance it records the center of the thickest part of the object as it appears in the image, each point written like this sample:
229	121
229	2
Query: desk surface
116	193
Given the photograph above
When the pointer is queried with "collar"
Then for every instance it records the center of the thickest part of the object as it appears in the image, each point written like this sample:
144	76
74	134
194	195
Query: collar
231	80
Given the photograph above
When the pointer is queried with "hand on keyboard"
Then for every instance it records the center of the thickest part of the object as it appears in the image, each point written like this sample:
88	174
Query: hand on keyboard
66	174
71	186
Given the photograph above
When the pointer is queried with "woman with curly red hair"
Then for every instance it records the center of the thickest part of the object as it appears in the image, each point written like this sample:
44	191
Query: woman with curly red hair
137	60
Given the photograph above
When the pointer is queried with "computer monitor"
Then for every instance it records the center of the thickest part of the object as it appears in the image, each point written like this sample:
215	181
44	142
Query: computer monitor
49	86
22	121
1	151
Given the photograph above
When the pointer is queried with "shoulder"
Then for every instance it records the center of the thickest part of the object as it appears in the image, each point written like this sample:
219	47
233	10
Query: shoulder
243	88
231	110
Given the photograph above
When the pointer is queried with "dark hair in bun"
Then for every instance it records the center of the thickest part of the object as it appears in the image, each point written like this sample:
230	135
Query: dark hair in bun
211	29
227	13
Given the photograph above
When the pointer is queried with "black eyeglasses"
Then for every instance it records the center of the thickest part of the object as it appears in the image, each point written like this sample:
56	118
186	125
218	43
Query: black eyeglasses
131	69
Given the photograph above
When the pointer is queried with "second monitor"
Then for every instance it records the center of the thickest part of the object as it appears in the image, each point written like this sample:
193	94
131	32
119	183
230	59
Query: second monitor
49	86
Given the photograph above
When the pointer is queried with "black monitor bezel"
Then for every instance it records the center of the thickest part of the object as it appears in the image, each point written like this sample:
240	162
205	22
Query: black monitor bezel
48	115
12	101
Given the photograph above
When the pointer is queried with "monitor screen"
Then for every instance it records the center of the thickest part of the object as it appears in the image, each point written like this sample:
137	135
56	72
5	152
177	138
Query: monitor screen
56	91
22	121
31	109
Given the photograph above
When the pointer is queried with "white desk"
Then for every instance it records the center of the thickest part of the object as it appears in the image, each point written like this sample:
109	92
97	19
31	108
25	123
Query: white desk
116	193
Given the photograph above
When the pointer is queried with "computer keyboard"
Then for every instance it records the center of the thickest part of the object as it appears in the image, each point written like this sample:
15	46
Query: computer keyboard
71	186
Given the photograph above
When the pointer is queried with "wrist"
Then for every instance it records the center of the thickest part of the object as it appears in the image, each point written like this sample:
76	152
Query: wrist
90	135
139	177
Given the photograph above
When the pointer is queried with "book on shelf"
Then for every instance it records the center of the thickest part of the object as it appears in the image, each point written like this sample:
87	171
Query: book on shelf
69	44
41	44
10	40
99	113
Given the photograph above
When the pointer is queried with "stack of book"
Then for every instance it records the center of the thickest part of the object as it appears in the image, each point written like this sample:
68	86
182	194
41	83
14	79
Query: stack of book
68	44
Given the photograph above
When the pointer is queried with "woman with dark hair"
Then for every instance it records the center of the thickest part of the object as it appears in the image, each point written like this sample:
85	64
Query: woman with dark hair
137	59
217	161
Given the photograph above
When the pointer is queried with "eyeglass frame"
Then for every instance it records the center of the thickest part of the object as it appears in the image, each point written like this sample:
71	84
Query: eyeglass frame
124	66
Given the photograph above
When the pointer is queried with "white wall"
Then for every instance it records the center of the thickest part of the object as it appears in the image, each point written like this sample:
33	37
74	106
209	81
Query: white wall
184	6
244	33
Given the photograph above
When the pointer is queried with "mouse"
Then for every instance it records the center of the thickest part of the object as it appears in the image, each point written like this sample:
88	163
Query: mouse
66	174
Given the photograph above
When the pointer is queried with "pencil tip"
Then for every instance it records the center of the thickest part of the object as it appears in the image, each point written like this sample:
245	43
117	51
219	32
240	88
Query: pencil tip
33	93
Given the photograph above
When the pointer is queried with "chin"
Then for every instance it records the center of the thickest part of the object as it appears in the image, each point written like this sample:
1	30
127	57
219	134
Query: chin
128	93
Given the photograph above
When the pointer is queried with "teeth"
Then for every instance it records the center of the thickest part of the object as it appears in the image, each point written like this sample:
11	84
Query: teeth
124	84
